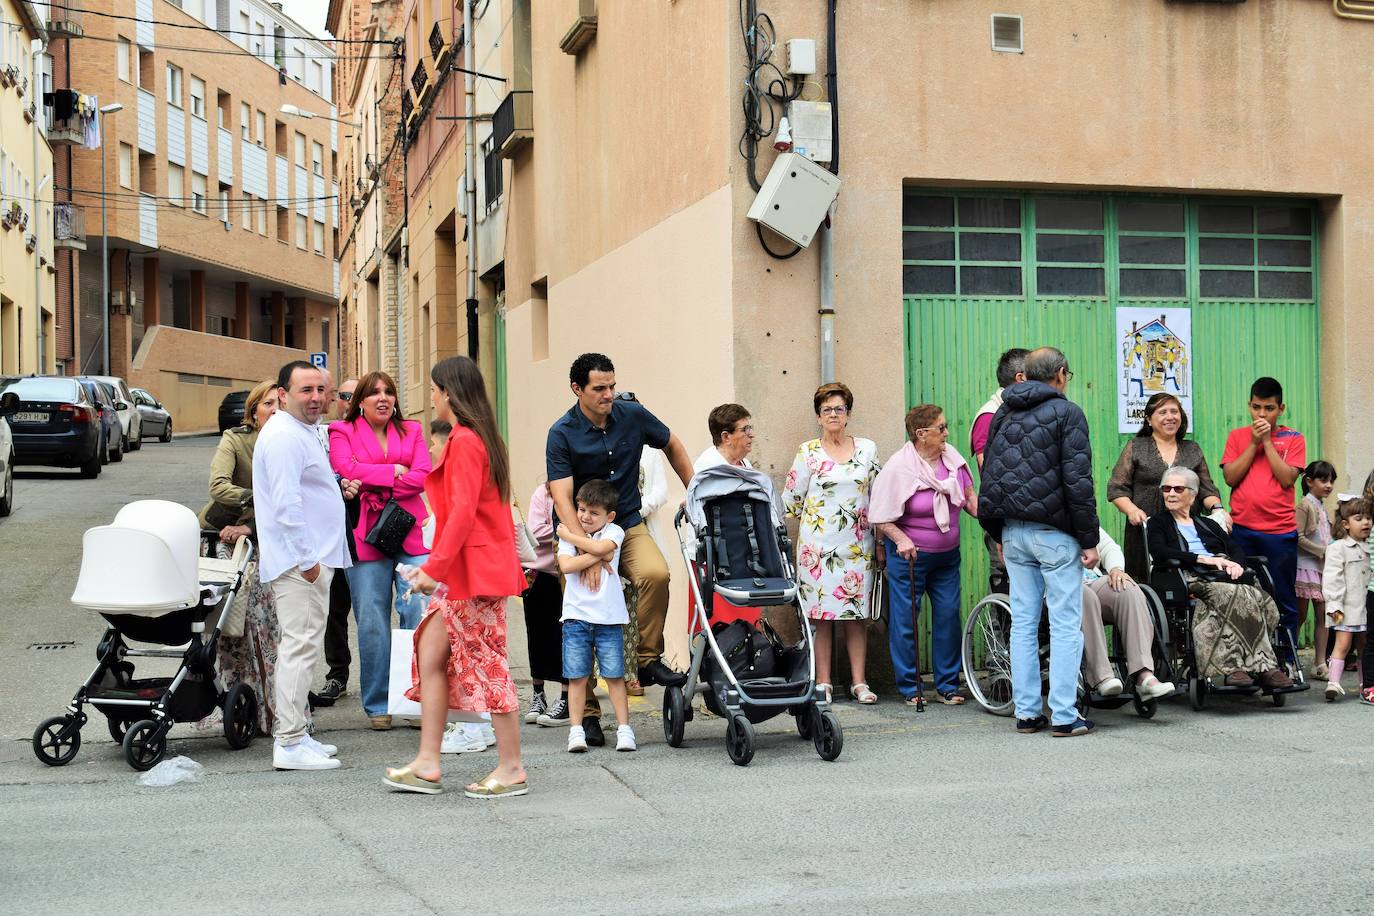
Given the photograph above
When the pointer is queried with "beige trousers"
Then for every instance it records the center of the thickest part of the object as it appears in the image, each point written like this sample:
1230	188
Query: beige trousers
1131	615
302	609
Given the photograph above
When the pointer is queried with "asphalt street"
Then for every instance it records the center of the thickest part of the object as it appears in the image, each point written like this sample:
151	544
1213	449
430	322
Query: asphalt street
1239	808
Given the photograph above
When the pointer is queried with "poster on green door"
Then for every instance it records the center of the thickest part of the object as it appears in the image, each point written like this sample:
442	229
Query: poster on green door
1155	355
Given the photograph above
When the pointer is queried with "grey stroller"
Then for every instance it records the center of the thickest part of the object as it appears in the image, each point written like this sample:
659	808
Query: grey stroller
734	542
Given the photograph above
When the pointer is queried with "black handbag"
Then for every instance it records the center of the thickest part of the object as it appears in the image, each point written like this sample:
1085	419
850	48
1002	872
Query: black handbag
389	532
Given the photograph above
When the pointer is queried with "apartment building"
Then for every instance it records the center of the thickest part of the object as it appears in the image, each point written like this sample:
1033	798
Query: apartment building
27	280
369	82
220	202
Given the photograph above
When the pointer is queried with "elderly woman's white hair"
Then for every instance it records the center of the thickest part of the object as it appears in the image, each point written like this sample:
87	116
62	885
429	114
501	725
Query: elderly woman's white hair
1185	475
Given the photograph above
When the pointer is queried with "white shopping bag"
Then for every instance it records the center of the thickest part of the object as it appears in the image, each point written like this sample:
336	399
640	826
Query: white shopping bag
402	653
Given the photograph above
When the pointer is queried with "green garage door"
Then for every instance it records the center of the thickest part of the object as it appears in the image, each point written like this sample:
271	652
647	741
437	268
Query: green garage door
986	271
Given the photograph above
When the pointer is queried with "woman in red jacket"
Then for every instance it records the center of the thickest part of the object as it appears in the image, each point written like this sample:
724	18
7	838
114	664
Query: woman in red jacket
463	664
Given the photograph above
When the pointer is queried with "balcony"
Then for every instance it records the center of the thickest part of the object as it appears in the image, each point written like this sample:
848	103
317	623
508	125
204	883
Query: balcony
66	20
419	80
69	226
512	126
583	29
68	130
438	48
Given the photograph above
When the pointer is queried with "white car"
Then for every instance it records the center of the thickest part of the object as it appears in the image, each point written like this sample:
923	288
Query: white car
156	421
132	432
7	455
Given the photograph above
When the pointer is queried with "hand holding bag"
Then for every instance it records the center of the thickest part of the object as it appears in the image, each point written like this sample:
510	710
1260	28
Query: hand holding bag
389	531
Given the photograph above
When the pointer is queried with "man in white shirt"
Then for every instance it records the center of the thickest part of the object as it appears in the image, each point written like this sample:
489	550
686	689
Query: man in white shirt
301	543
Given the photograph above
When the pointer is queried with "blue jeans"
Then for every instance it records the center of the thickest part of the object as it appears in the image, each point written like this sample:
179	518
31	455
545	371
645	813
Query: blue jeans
1044	566
1280	551
372	585
582	640
937	575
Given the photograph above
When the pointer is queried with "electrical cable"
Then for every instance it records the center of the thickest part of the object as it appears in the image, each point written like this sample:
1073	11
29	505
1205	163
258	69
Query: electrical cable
760	40
226	52
208	28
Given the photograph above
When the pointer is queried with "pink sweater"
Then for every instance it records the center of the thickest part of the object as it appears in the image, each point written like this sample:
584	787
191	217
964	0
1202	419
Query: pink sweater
355	454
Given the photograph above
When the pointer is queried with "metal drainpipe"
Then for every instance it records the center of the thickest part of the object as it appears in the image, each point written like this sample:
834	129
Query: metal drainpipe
36	92
470	164
827	252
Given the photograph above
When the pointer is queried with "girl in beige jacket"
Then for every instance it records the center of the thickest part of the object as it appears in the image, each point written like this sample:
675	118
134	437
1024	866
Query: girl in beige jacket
1345	584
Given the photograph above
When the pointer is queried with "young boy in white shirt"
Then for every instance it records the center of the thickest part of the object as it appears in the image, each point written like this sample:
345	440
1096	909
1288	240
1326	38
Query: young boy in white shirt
594	614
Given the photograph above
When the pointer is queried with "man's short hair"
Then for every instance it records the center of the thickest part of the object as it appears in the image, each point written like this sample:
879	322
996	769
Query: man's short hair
1266	387
284	376
586	364
1045	364
440	427
598	494
1009	364
723	419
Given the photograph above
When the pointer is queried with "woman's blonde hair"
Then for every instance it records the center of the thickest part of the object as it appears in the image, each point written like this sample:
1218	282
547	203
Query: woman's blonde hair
250	406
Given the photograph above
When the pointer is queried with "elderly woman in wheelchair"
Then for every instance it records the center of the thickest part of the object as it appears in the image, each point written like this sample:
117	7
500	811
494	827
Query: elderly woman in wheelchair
1234	618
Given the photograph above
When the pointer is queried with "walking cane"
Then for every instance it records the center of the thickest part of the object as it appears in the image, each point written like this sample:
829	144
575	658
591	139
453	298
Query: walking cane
916	633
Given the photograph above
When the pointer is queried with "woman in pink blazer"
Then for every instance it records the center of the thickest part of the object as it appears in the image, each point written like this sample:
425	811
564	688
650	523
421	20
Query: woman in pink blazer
391	458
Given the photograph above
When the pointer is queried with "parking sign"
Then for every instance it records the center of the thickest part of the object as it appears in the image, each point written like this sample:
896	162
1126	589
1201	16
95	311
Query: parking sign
318	360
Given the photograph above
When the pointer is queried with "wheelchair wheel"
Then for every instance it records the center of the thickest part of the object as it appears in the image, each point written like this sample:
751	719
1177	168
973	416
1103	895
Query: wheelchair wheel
989	628
1197	691
674	716
1145	708
739	740
829	739
1280	698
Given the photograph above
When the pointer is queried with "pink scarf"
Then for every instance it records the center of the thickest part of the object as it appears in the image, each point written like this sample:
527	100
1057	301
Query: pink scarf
906	473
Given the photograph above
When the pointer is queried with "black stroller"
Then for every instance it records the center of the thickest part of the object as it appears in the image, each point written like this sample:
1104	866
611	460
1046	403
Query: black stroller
737	548
144	575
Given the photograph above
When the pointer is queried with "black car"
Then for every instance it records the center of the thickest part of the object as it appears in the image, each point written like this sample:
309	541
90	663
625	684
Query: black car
105	399
55	423
231	410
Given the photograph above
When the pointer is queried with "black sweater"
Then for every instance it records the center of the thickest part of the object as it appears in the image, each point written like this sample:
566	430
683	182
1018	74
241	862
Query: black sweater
1167	545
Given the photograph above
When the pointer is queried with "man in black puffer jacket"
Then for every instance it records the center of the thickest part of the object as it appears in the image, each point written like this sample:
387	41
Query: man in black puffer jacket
1037	501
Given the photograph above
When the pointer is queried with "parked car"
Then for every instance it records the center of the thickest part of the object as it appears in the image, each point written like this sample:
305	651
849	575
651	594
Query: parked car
111	434
154	418
55	422
124	404
8	405
231	410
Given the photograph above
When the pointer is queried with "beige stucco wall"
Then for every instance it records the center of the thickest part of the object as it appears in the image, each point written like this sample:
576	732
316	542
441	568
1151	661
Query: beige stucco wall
1256	98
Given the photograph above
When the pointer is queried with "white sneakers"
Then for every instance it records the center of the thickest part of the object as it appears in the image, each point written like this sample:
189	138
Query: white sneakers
327	750
625	739
577	739
1334	690
302	756
1154	690
1111	687
463	738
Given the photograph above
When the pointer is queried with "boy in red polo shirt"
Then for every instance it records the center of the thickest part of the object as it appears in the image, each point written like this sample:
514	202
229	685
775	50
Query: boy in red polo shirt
1261	463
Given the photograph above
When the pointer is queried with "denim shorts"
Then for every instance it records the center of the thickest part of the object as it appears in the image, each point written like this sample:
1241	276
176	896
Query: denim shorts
581	639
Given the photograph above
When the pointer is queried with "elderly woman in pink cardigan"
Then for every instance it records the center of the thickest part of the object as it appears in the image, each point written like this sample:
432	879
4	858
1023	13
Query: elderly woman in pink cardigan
915	508
391	458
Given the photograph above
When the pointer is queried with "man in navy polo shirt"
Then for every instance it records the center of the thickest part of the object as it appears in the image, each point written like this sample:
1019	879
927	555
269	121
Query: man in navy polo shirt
602	437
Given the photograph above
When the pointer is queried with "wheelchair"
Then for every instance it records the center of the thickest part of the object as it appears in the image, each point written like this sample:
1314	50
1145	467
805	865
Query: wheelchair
989	628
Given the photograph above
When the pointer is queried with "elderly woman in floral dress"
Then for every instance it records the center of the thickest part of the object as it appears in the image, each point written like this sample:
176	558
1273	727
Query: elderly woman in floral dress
827	489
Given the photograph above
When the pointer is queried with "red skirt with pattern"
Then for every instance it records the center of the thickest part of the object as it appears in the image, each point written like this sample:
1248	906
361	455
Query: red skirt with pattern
478	667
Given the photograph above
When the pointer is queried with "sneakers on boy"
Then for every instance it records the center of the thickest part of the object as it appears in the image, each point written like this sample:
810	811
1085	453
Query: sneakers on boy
1032	725
556	717
300	756
318	747
625	739
538	707
458	740
1074	729
577	740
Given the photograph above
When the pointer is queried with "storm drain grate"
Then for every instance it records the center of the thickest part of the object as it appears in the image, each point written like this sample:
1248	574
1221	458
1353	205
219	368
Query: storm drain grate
50	646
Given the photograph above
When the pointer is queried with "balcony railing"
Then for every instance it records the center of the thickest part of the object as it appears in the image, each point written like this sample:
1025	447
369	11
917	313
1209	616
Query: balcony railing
436	41
513	123
419	79
69	226
70	129
66	20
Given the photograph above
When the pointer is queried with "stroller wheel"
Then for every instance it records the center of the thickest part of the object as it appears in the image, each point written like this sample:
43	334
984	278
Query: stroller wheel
118	727
739	740
1145	708
806	723
144	744
57	740
240	716
674	716
829	738
1197	691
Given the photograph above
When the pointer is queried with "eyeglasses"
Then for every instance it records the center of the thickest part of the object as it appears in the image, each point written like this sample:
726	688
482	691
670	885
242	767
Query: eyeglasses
345	395
1068	375
834	411
942	428
1171	488
747	430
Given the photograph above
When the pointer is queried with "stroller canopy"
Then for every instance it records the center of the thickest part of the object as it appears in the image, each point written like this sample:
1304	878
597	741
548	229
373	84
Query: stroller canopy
730	480
144	563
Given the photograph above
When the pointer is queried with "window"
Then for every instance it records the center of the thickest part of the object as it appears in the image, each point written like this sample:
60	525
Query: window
246	216
283	225
300	150
126	166
262	129
197	97
147	71
319	237
301	230
317	76
222	107
176	184
1254	252
224	204
197	192
174	85
967	246
492	174
245	122
1069	257
317	158
262	218
124	56
245	27
1151	248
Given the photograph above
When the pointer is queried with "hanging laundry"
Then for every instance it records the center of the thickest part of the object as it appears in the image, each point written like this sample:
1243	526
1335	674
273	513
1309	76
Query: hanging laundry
90	123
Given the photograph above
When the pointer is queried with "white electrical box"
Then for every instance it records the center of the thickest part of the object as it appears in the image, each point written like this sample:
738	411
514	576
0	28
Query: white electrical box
801	56
810	123
795	198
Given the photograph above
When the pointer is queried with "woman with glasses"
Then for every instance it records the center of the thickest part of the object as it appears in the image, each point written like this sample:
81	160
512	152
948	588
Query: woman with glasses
916	504
1234	620
828	489
732	438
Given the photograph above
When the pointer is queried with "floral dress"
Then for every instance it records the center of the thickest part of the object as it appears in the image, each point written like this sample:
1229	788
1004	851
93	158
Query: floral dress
835	558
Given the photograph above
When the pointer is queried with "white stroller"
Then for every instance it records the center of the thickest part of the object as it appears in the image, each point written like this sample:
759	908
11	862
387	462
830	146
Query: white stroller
737	548
145	576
